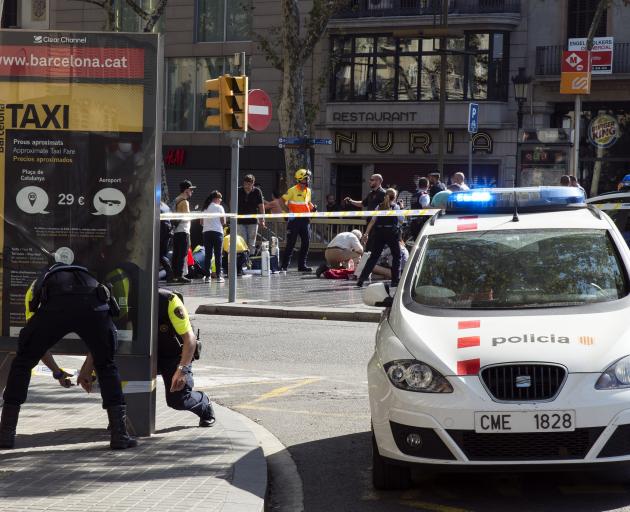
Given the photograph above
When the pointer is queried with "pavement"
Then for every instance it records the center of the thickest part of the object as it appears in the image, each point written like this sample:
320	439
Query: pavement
290	294
62	459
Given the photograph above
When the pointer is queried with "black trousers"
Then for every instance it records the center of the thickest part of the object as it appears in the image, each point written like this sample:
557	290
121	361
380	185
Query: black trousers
295	228
181	243
47	327
380	238
187	399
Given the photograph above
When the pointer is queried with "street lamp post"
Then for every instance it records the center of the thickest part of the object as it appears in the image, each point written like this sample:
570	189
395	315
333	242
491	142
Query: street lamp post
521	91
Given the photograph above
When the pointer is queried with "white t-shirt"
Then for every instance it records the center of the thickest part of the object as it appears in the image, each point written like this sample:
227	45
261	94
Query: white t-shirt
346	241
213	224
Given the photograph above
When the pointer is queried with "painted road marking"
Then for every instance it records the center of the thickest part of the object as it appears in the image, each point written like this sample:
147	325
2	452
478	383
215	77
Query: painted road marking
251	407
275	393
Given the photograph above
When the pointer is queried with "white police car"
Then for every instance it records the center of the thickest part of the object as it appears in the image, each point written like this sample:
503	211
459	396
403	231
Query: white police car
507	342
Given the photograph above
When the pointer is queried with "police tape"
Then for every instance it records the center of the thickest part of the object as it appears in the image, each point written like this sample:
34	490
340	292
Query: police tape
613	206
312	215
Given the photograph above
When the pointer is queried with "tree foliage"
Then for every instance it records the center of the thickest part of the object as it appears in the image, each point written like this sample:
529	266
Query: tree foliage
149	17
288	47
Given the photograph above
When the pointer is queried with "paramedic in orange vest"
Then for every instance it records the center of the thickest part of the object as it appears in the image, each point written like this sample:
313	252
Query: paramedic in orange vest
298	200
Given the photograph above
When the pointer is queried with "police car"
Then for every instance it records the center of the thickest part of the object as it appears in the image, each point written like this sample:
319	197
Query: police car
507	342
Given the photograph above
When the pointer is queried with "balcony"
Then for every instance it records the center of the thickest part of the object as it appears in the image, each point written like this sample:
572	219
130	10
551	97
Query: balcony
548	59
379	8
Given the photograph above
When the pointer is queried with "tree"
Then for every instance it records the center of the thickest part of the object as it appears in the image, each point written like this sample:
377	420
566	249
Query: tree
287	49
149	17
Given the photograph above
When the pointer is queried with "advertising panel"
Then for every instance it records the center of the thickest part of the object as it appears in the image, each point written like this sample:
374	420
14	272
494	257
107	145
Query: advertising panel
601	53
78	138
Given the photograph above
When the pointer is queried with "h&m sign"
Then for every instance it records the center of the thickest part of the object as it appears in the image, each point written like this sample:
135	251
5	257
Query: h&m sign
417	141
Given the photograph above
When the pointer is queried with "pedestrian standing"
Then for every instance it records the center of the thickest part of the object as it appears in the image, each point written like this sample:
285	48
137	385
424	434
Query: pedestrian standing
212	233
575	183
436	184
181	235
371	201
250	201
384	231
65	299
298	200
176	348
459	179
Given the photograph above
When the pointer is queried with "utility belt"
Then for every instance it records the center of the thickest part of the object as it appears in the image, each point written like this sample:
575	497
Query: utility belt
101	292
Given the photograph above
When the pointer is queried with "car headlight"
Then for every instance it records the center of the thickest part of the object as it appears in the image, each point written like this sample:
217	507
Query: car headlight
616	376
412	375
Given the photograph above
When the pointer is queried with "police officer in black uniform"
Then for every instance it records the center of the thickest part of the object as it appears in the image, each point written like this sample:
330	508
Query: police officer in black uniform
176	348
65	299
383	231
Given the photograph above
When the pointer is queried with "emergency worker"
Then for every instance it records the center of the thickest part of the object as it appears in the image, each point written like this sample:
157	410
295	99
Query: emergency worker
65	299
176	349
298	200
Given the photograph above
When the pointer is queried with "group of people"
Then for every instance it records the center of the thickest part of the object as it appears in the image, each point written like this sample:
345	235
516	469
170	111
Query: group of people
571	181
69	298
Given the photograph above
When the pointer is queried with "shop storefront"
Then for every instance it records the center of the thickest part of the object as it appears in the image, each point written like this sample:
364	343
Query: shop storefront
604	143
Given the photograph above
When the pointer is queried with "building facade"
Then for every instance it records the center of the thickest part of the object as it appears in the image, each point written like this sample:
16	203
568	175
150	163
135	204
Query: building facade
380	61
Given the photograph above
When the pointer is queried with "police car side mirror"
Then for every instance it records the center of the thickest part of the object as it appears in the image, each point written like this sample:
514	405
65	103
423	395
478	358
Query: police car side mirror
377	294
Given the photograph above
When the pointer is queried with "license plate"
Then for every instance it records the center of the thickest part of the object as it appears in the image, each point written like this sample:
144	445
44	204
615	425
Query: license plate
524	421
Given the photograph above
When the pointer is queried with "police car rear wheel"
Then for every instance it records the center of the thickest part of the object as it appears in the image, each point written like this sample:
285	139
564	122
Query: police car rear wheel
385	476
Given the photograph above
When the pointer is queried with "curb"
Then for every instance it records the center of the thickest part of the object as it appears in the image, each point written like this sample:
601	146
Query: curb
347	315
249	483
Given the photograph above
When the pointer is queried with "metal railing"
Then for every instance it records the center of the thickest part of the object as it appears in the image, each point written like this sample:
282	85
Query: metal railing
371	8
322	230
549	58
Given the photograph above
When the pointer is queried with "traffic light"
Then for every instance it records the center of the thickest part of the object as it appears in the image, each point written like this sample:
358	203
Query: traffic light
227	95
237	101
215	102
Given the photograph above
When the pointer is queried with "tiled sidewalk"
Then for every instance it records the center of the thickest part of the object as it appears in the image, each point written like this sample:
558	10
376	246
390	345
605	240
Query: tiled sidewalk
62	460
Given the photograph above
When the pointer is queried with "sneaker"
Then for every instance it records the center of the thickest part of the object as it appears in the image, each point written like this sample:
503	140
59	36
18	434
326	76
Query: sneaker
220	279
283	269
207	422
305	269
360	283
321	269
181	280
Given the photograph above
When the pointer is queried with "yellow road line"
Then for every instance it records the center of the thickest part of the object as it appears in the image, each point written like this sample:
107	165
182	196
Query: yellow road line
275	393
251	407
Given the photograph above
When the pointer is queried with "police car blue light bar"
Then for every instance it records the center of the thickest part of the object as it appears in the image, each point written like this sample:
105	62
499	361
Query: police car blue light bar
525	198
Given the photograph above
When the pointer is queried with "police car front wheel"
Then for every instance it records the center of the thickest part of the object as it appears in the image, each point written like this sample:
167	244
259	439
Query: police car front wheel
386	476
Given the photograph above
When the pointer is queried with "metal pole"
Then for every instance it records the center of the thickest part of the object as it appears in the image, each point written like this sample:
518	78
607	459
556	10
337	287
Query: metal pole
236	139
470	155
519	125
443	70
577	117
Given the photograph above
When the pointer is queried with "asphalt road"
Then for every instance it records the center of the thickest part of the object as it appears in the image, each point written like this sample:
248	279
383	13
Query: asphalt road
305	381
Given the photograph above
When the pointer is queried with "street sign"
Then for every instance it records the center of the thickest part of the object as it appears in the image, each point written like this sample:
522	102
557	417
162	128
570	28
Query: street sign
576	73
259	110
574	61
601	53
302	142
473	117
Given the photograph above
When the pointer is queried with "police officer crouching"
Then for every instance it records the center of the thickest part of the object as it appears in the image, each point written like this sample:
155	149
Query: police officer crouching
177	344
65	299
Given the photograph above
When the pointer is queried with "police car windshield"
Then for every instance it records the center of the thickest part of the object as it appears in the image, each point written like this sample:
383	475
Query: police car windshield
519	269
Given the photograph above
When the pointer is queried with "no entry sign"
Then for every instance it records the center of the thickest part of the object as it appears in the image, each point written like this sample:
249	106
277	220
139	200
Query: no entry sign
259	110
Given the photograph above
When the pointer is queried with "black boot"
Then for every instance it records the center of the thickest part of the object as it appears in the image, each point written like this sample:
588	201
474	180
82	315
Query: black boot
207	420
120	439
8	424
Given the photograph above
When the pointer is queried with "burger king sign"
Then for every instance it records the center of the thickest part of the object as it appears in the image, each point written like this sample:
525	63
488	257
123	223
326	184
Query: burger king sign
603	131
